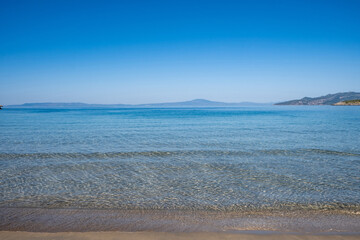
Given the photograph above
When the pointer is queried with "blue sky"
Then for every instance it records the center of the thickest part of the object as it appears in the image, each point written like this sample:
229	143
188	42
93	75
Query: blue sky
159	51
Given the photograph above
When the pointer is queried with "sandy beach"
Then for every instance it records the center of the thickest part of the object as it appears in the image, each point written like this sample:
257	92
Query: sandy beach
6	235
73	224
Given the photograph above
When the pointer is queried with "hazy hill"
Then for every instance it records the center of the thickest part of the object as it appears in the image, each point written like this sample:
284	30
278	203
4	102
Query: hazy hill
199	103
323	100
192	103
64	105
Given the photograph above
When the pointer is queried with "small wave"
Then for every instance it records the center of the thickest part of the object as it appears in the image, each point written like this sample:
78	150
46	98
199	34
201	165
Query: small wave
250	208
104	155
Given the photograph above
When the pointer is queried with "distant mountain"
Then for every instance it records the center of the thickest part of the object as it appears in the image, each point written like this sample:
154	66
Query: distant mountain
329	99
192	103
64	105
199	103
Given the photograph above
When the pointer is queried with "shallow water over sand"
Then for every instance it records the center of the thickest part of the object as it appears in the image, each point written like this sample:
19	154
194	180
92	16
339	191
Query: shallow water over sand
224	160
87	220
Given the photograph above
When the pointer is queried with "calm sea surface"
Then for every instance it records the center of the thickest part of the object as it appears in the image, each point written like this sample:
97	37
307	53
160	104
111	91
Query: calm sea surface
224	159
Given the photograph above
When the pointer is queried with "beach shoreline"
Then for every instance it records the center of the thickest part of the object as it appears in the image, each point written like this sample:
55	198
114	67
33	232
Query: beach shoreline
174	221
9	235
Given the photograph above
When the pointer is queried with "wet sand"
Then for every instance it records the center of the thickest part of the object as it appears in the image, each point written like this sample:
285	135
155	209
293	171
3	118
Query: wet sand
6	235
81	224
87	220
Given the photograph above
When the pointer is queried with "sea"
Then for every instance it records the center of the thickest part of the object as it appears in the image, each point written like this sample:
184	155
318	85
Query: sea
180	169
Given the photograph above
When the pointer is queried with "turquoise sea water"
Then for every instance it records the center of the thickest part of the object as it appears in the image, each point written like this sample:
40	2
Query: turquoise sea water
223	159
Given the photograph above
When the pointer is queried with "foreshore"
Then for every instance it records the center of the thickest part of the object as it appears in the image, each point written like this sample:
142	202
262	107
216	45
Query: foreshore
15	221
6	235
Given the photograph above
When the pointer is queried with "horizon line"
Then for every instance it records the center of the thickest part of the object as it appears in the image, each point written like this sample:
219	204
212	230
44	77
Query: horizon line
138	104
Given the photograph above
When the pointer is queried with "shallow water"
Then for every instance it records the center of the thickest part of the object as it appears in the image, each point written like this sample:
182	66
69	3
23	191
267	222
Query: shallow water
222	159
90	220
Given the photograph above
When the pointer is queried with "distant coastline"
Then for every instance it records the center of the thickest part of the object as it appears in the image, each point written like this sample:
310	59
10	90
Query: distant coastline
355	102
337	99
330	99
185	104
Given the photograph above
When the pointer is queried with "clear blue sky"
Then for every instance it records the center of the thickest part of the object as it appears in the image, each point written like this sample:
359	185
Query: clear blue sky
156	51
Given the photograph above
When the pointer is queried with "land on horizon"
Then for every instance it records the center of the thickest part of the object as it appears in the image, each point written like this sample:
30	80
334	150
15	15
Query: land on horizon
192	103
330	99
355	102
